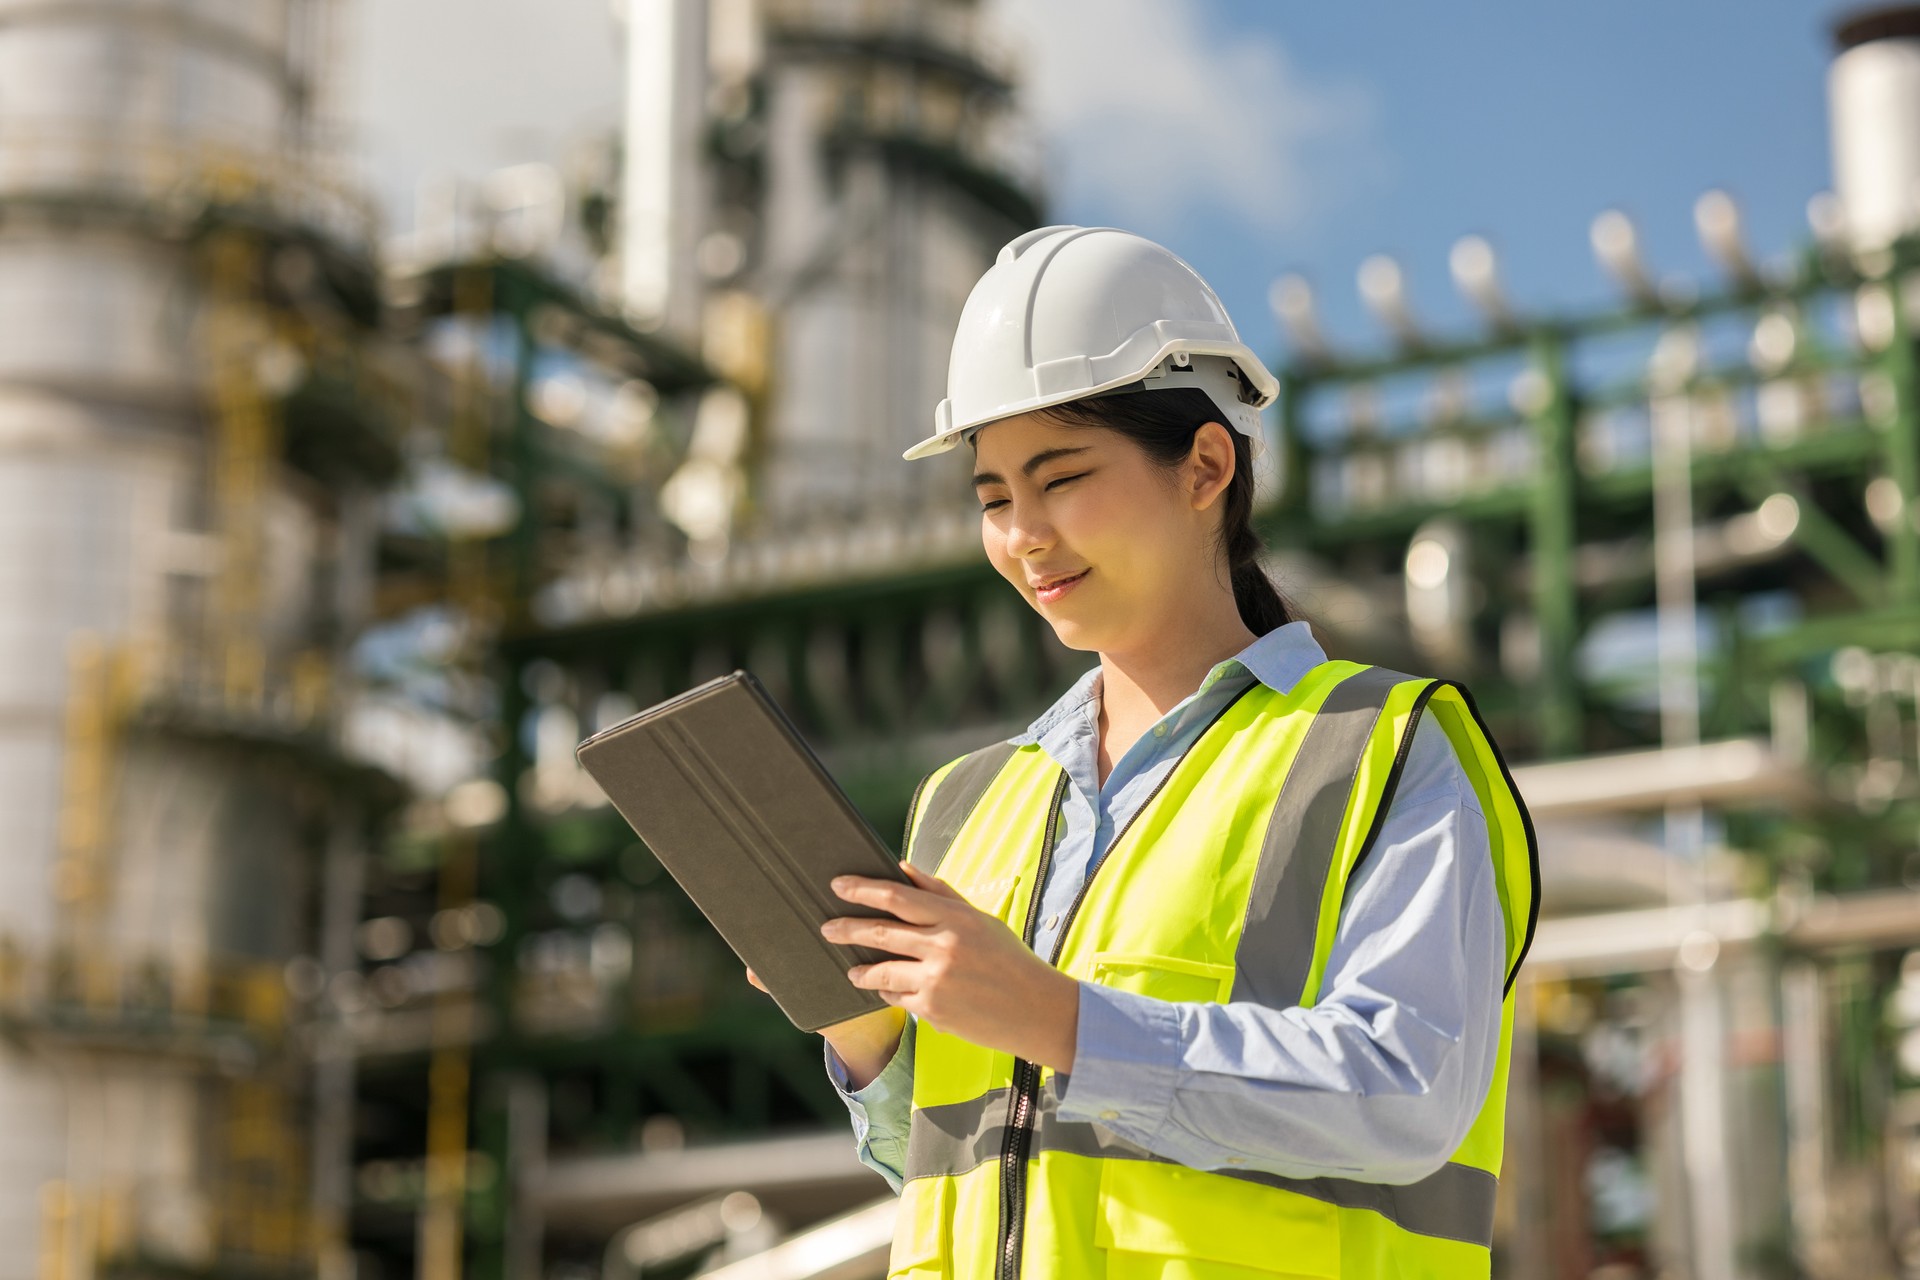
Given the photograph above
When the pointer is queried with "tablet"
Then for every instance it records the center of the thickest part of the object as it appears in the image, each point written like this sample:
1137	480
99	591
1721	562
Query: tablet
738	809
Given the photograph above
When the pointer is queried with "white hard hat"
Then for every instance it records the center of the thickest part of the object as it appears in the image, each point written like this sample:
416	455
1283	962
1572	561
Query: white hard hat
1069	312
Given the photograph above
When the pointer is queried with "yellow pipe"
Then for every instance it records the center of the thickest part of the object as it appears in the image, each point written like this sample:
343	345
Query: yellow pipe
56	1231
442	1231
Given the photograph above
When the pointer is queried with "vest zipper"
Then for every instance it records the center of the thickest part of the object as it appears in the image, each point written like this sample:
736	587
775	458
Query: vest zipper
1026	1080
1026	1075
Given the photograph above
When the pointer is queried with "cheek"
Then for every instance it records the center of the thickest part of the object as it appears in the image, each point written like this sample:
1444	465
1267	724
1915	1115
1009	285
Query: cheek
1112	529
995	543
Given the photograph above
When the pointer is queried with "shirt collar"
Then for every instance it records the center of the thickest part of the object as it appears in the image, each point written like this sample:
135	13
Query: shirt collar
1277	659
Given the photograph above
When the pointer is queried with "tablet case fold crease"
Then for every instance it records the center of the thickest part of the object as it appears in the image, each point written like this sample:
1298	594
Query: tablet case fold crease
742	814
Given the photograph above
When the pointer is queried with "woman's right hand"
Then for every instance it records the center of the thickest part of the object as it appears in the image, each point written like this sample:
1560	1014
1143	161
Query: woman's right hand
864	1045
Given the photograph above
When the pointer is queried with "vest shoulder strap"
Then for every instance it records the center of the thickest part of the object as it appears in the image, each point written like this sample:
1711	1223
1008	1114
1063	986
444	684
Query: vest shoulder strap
952	801
1287	921
1276	952
1510	824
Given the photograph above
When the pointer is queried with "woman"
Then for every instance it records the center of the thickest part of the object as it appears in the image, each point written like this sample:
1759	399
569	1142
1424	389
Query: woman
1214	979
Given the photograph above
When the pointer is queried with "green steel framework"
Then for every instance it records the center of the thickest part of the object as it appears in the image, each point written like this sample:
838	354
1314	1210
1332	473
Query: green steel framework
892	672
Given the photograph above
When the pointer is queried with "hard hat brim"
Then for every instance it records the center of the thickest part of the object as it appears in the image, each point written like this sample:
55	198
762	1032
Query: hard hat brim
1266	389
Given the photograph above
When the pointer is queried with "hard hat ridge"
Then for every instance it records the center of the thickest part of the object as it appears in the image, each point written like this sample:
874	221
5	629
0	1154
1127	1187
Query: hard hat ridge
1069	312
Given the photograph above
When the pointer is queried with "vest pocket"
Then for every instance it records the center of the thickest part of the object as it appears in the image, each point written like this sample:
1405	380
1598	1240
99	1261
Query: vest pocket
922	1234
1163	977
1160	1221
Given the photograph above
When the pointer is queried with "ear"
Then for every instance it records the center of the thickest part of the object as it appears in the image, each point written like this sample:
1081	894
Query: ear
1211	464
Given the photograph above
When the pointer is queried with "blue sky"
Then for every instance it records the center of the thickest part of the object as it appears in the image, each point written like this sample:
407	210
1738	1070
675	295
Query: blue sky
1255	136
1430	121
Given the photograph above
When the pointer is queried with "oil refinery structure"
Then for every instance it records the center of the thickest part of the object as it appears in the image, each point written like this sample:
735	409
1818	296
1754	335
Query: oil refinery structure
321	957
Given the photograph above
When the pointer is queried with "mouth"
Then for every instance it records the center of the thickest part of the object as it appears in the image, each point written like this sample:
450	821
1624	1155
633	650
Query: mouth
1053	588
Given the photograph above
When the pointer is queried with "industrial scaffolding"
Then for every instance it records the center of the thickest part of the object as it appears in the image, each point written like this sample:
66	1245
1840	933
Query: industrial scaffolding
1670	545
272	1008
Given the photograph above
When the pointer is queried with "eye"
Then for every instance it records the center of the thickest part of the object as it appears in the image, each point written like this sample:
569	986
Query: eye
1001	502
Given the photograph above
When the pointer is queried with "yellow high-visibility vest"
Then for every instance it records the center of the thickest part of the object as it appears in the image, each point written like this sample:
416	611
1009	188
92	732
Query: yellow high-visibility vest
1226	885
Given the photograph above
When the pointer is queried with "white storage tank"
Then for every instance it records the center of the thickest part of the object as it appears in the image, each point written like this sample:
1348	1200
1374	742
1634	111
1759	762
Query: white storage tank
116	120
1873	90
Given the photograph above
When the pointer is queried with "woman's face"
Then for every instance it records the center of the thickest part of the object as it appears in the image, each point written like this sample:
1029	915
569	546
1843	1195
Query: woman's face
1058	501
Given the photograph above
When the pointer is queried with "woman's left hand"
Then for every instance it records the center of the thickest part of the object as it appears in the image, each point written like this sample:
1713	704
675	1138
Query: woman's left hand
963	970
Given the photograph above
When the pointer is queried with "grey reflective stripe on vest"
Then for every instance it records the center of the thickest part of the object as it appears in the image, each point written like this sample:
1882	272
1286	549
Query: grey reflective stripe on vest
1453	1203
954	1137
1276	943
953	800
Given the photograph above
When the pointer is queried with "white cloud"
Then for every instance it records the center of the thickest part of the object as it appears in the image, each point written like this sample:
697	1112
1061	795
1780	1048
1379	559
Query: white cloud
463	87
1150	112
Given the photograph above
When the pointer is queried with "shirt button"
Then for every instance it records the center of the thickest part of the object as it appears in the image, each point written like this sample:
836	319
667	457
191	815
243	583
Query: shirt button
1109	1115
1159	731
1053	922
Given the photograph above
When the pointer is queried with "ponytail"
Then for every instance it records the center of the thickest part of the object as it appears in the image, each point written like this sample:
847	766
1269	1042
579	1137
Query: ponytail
1261	605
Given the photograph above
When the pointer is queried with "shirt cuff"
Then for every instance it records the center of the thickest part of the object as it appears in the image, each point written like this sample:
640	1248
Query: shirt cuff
1126	1056
895	1079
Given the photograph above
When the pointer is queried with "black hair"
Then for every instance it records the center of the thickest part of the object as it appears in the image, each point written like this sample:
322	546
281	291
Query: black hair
1164	423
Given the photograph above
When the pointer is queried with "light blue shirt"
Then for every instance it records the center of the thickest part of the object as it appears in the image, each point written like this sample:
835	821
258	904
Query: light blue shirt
1378	1081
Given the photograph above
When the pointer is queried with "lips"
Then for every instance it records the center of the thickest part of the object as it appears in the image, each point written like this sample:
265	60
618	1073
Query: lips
1059	580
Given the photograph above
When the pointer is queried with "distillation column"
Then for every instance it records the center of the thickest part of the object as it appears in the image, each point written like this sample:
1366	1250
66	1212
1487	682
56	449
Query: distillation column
155	565
893	168
851	167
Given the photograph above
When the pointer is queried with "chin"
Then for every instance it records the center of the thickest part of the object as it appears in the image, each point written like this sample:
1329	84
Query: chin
1073	635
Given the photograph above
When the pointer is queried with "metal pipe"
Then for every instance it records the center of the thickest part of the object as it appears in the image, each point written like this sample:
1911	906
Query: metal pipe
1803	1035
526	1160
1383	288
343	879
1291	298
1531	1245
1702	1032
662	1178
1730	771
1649	940
849	1247
1717	218
641	1248
1616	243
1476	273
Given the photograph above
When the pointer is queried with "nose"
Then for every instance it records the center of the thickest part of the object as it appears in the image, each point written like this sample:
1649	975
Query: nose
1017	531
1027	532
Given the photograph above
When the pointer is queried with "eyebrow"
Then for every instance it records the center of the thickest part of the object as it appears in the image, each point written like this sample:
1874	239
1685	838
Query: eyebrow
1027	468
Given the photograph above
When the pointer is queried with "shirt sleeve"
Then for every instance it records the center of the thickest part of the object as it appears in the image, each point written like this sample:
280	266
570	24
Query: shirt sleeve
881	1111
1381	1079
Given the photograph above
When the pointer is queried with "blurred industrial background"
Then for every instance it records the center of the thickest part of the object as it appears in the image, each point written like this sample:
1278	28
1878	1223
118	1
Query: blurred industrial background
326	534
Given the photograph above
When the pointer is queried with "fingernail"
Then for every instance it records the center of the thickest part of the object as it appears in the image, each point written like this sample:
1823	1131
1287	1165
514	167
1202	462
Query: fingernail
856	973
840	882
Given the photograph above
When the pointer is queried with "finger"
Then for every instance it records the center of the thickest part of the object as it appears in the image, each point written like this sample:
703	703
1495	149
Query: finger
880	934
931	883
897	976
754	978
915	906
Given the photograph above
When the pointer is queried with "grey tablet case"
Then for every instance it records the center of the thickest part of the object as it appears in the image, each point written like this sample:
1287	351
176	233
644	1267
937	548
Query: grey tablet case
740	811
